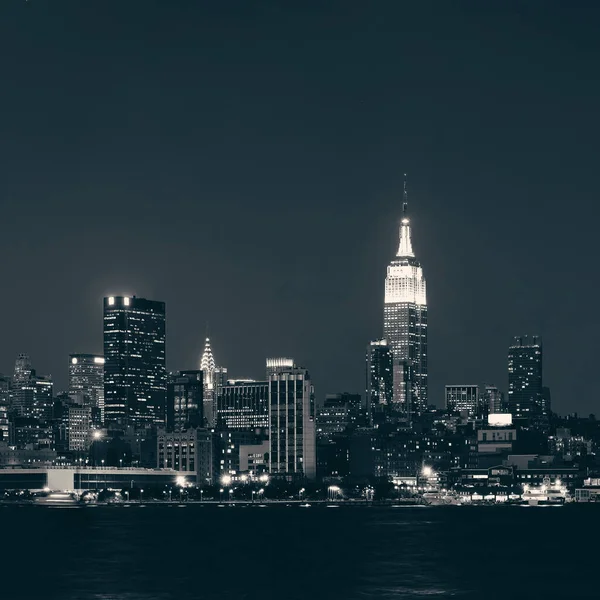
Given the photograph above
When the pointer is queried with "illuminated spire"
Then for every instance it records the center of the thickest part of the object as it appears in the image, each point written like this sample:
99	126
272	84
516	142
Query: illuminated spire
405	247
207	364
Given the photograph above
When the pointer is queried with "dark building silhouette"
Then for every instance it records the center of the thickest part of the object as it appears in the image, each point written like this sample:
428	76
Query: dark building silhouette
135	377
525	399
379	381
184	400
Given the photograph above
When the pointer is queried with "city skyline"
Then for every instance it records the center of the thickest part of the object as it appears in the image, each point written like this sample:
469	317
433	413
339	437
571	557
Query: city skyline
121	184
265	259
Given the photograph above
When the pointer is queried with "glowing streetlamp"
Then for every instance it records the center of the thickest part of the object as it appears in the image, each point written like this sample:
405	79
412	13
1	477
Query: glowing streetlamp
333	492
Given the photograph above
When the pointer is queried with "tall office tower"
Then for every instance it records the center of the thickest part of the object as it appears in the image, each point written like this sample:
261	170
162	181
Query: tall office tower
135	376
462	399
243	405
23	370
207	366
292	435
34	398
278	365
185	392
86	380
525	398
405	324
493	400
379	381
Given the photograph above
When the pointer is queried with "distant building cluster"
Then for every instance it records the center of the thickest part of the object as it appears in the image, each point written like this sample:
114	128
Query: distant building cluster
124	410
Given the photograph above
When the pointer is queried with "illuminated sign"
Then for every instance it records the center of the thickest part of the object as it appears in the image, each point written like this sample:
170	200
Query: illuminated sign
499	419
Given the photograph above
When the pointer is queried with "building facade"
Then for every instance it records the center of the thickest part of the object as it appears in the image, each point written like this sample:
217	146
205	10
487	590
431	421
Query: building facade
277	365
23	371
493	400
379	380
292	434
86	380
185	397
462	399
79	428
525	394
188	452
405	325
243	405
135	377
33	398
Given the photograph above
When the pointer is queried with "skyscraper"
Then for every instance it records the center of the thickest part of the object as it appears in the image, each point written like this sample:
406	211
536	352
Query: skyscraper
30	395
379	382
23	370
525	394
292	432
135	377
207	366
34	398
405	324
86	380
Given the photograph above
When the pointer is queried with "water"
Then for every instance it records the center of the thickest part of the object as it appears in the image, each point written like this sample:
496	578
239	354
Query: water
206	552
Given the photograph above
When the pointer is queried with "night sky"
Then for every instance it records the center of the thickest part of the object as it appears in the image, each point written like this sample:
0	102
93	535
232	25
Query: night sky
243	162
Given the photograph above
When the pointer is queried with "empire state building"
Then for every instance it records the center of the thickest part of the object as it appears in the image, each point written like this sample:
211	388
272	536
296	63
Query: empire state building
405	324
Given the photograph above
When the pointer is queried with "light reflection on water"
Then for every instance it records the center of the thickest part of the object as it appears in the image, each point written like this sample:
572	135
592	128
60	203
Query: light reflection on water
284	553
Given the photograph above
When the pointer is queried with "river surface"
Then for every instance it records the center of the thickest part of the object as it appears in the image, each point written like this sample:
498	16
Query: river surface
161	552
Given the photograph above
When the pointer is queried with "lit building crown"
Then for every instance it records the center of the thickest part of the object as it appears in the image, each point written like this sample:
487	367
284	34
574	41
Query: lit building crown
207	363
405	281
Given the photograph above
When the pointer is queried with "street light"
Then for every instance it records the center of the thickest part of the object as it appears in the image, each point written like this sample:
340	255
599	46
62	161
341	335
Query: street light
141	495
264	478
226	479
221	494
333	492
230	492
300	493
